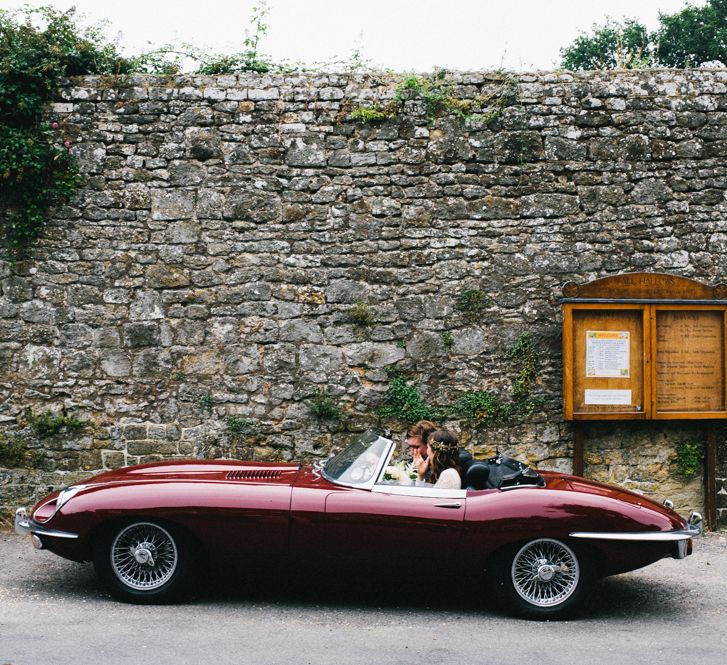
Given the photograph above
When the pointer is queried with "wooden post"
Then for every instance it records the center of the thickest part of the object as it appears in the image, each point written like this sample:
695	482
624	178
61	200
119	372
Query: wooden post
578	440
710	478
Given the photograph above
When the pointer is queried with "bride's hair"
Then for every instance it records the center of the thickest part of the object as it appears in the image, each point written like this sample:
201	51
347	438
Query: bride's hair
445	446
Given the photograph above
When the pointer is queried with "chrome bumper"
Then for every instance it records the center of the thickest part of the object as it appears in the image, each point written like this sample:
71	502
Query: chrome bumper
25	525
681	537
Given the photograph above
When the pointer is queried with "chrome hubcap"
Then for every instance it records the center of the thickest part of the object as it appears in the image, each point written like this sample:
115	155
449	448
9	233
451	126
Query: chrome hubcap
545	572
144	556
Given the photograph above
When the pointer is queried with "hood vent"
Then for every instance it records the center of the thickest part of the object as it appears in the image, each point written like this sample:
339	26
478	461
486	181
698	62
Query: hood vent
253	474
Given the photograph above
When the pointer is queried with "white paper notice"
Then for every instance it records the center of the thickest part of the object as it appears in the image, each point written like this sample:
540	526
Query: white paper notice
619	397
607	353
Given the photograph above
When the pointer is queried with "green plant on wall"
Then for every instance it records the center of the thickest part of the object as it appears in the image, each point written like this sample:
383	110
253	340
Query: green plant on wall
37	172
689	458
480	408
404	403
524	357
437	93
323	406
14	453
447	339
48	424
471	303
361	316
237	425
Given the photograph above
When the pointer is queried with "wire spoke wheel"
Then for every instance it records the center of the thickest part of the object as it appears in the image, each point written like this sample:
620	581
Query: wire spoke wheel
545	573
144	556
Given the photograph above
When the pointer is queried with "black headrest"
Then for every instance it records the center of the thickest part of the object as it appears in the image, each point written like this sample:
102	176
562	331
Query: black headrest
477	476
465	459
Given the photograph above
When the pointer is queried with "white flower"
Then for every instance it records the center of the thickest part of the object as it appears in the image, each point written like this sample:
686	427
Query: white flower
392	473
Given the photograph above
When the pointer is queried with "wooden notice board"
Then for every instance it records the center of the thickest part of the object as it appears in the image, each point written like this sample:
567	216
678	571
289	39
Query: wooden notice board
650	357
646	346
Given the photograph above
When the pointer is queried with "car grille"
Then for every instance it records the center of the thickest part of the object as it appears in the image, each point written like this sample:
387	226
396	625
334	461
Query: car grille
253	474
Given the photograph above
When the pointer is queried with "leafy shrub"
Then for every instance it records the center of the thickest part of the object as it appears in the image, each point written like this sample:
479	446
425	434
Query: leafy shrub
404	403
48	424
36	169
479	407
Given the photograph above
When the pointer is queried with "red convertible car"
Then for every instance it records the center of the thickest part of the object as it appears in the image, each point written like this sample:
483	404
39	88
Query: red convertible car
540	538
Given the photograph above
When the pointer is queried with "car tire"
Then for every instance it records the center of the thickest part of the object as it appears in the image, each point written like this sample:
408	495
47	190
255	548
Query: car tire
144	562
543	578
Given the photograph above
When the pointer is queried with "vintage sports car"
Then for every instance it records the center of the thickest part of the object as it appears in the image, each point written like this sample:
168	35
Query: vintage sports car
540	538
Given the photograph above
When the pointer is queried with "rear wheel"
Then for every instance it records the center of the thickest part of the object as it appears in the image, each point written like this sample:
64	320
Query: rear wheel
144	562
543	579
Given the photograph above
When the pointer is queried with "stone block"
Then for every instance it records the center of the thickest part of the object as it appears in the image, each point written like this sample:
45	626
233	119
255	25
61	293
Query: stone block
252	206
141	334
166	277
171	204
308	153
203	143
549	205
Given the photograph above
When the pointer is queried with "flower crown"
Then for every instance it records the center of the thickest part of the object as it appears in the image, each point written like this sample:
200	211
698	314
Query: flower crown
442	446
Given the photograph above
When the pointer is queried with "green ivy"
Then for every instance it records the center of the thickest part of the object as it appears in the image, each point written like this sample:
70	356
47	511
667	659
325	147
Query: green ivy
404	403
479	407
689	458
37	172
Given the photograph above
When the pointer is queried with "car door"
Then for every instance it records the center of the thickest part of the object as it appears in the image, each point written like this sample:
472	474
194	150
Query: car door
393	524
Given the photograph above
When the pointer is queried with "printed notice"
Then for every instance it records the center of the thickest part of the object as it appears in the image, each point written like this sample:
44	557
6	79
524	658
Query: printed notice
619	397
608	355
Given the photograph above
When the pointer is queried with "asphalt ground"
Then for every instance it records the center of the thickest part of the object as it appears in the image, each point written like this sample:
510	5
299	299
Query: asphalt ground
53	612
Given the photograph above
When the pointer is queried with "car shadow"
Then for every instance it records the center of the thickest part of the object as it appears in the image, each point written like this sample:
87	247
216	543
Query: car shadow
625	596
631	595
628	596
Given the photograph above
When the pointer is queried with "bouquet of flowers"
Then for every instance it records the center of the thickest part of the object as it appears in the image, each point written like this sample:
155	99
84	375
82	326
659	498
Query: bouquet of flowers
401	472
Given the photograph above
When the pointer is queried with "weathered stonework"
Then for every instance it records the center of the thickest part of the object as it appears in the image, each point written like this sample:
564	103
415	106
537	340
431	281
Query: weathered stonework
228	225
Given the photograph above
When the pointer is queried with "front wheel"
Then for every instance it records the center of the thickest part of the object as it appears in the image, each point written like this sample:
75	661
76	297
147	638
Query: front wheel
144	562
543	579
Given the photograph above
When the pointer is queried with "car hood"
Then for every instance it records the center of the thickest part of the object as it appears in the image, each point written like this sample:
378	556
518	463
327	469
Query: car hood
200	470
557	481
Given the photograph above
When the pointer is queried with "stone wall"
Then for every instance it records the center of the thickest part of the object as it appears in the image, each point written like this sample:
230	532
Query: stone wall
228	226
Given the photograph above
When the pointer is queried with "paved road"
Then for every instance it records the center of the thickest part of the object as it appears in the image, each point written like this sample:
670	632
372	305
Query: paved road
53	613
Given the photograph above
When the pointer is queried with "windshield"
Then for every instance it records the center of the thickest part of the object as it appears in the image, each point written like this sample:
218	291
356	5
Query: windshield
357	463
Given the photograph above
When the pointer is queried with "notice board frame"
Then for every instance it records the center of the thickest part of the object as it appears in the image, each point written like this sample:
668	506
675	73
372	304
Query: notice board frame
648	293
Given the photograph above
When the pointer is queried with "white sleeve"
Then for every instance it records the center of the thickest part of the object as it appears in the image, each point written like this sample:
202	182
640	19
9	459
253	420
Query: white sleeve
449	480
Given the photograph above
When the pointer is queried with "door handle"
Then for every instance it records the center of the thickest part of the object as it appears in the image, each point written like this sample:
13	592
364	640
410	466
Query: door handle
448	505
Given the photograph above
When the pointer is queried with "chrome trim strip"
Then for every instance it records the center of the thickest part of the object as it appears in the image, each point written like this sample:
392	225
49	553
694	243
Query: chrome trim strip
643	536
420	490
25	525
